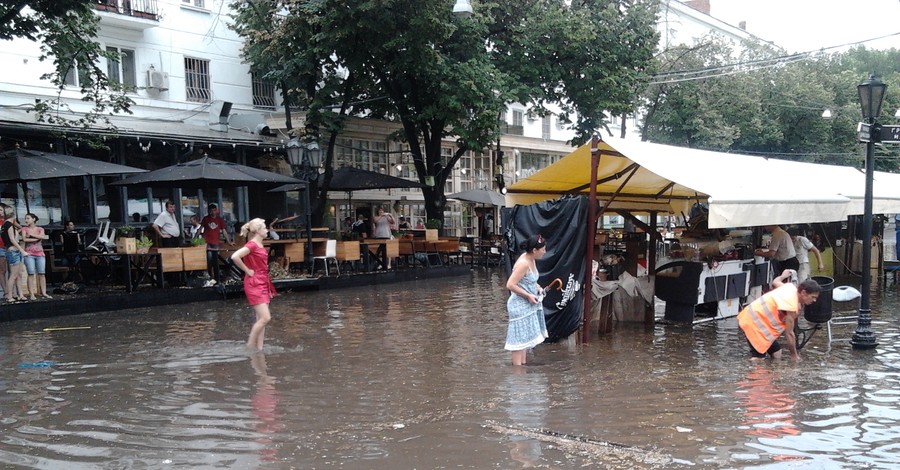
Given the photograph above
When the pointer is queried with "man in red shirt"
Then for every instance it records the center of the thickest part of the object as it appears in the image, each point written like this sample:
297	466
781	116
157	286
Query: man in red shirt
213	228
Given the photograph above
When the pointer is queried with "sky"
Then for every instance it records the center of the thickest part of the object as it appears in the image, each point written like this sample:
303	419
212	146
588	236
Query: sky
807	25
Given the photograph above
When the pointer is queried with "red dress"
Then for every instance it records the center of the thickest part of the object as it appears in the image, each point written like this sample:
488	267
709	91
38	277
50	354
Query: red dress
258	288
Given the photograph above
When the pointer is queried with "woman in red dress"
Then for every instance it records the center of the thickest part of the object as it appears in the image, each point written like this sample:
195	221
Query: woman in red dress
253	259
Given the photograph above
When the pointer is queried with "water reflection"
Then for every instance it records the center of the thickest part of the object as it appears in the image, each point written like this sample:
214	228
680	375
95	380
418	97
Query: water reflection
527	395
414	376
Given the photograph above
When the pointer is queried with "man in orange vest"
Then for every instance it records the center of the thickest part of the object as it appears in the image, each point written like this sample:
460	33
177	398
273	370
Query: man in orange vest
776	312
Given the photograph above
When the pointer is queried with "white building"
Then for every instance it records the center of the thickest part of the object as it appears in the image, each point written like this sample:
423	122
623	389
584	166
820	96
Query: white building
193	94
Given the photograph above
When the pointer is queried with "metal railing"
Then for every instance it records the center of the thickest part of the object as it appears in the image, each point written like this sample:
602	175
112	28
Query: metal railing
136	8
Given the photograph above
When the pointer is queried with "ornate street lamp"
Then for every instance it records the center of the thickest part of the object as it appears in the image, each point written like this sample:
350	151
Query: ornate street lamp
871	95
305	159
462	8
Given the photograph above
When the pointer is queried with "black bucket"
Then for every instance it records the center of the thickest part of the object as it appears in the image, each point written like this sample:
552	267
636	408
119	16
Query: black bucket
820	310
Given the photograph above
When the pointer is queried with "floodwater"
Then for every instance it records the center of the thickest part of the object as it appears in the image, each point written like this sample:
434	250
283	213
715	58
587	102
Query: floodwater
413	376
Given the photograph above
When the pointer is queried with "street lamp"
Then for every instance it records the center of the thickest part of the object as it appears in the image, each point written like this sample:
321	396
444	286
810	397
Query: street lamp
305	159
462	8
871	95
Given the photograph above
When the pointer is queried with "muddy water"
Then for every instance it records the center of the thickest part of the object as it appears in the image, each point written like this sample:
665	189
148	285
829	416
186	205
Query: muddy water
414	376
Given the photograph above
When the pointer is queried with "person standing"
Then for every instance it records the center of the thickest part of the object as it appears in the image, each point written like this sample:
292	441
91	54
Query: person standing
167	227
253	259
776	313
14	257
780	250
36	261
384	222
803	246
527	327
213	228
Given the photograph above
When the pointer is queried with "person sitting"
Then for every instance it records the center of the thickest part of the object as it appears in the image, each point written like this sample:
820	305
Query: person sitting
361	226
194	230
403	224
273	234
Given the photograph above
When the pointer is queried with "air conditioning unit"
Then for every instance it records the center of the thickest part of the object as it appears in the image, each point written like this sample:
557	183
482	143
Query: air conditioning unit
157	80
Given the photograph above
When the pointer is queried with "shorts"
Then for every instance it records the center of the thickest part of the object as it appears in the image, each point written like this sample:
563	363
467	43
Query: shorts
774	348
36	265
13	257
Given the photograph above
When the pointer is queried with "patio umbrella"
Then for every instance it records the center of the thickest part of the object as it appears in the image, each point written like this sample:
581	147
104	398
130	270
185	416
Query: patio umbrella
206	171
351	179
480	196
22	165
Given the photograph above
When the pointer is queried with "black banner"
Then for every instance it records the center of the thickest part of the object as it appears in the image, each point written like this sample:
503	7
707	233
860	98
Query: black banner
562	224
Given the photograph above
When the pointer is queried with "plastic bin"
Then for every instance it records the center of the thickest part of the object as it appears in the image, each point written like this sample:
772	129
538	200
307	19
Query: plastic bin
820	310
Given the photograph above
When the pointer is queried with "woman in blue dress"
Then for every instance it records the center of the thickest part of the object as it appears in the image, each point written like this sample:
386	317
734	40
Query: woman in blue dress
527	328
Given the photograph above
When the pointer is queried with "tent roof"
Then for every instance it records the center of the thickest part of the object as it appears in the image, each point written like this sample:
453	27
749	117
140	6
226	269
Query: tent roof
741	190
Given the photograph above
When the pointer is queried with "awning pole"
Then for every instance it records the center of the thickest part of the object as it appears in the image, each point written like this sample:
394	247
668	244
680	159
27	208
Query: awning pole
589	245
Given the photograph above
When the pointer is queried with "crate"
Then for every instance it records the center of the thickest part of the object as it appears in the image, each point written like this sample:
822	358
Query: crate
126	245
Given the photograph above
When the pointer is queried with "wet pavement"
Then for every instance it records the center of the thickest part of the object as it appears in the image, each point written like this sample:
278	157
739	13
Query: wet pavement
413	375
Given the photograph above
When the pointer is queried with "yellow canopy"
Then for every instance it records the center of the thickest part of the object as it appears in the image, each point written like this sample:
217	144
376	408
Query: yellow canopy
741	190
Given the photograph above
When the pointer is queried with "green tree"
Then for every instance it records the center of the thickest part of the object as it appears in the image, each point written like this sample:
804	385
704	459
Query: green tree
66	29
763	102
440	76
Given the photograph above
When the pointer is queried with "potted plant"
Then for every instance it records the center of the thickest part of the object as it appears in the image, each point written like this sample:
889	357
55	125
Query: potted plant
431	228
197	241
126	231
125	242
143	244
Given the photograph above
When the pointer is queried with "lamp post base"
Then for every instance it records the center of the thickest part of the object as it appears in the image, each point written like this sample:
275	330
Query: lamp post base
863	338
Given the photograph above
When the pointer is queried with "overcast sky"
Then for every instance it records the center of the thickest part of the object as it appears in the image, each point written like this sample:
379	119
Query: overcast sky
805	25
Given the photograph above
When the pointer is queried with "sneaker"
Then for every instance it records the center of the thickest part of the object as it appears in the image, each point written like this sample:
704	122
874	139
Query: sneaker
209	283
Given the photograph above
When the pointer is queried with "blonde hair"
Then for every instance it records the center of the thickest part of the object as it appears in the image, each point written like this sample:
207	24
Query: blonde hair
252	227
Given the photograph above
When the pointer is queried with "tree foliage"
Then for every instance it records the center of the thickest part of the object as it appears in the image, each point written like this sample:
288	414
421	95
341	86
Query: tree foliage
767	110
65	30
439	76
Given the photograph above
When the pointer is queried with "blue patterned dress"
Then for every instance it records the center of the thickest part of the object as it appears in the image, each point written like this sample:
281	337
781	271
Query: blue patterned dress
526	320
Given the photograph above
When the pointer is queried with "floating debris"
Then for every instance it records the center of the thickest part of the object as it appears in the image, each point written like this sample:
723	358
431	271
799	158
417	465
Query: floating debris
584	444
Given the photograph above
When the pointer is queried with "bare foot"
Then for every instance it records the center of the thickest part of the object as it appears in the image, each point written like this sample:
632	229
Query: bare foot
32	298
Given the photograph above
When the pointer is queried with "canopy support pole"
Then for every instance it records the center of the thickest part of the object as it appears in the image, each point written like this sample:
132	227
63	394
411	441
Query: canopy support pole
589	244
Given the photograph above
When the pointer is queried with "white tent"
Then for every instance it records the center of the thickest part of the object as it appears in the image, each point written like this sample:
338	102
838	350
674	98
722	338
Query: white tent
741	190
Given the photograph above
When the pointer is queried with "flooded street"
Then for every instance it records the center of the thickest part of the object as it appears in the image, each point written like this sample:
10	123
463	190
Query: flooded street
414	375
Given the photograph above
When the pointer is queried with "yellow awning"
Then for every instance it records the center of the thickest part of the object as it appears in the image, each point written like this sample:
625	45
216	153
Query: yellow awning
741	190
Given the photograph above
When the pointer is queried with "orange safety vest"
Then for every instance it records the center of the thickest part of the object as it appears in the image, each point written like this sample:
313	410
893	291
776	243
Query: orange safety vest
761	321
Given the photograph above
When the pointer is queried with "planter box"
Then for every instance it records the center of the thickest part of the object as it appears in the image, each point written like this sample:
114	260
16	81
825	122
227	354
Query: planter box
348	251
126	245
295	252
194	258
172	259
431	234
393	248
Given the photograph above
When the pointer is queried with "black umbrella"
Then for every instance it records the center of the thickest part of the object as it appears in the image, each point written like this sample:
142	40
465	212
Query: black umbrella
351	179
206	171
480	196
22	165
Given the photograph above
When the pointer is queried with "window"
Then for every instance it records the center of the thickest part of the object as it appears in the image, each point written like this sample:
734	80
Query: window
76	76
263	92
196	79
518	117
356	153
545	127
122	71
196	3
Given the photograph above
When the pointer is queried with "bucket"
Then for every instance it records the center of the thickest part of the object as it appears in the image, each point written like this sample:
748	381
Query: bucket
820	310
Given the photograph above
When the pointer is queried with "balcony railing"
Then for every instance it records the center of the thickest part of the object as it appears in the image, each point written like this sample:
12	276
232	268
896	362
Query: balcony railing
145	9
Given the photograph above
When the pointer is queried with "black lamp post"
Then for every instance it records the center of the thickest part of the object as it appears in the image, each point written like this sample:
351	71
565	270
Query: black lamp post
871	94
305	158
